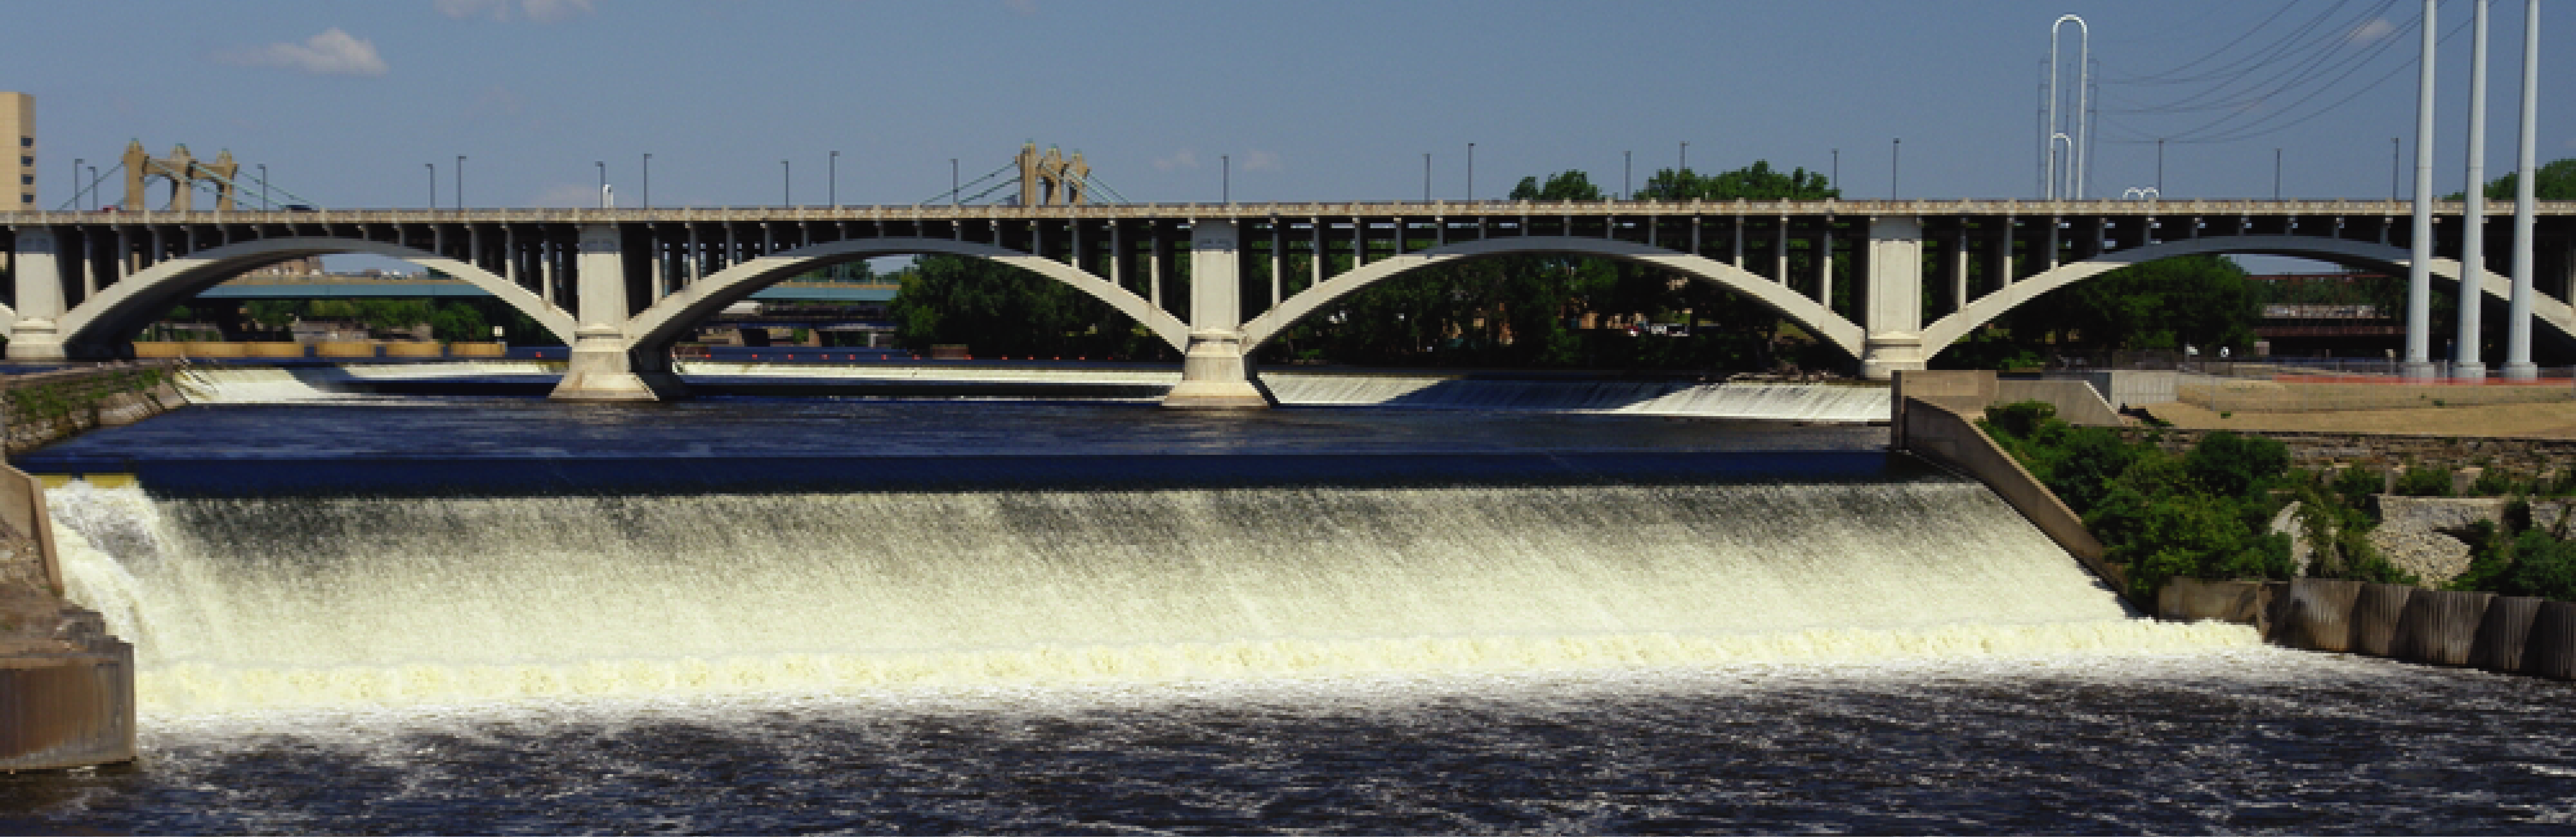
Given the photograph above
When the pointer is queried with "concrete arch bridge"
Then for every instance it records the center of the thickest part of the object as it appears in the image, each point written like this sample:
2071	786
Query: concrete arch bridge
1214	281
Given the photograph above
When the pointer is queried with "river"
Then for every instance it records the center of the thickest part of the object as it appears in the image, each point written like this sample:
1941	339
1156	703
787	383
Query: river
746	615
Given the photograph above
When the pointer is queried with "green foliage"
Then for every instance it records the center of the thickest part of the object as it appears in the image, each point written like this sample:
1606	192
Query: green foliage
2204	514
2519	559
1757	182
999	310
2424	482
1563	186
2199	301
2232	465
2554	181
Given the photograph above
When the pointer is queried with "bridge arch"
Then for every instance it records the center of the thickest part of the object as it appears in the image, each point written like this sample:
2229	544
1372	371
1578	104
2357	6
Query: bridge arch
2359	254
660	323
124	307
1807	313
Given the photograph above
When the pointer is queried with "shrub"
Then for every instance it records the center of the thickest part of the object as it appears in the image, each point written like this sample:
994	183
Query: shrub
2424	482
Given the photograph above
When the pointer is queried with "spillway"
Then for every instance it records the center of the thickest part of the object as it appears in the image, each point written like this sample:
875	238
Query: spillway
238	603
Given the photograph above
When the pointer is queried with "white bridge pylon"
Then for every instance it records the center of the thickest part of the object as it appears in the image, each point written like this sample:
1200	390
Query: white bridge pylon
619	286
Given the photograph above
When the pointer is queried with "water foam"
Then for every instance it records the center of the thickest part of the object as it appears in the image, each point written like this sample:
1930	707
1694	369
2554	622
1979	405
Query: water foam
364	601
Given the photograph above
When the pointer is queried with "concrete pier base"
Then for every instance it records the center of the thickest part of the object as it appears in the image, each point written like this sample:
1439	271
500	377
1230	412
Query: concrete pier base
1887	354
36	340
1215	376
603	370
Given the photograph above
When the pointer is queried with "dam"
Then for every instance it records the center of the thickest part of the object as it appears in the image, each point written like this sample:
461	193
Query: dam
479	614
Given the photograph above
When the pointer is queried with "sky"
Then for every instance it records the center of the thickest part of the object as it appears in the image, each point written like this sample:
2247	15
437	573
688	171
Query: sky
350	104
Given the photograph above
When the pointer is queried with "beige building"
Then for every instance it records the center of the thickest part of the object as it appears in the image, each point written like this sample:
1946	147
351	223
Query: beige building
18	129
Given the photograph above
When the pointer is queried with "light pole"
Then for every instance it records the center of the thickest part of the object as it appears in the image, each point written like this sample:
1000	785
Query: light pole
603	182
1895	156
1225	181
2392	169
433	183
2276	174
460	181
1627	175
1838	169
93	179
1471	172
2160	167
1426	177
1685	158
263	188
76	184
952	181
832	193
647	197
783	195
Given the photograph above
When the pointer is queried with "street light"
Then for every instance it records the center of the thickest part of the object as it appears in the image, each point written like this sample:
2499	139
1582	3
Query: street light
832	192
460	181
603	182
952	181
93	179
783	181
1471	172
2276	174
1895	155
647	197
1838	169
263	188
1627	173
1426	177
433	183
76	184
2160	167
1685	158
1225	185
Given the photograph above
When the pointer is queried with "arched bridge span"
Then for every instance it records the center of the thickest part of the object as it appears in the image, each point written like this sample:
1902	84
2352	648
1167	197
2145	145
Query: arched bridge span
1889	281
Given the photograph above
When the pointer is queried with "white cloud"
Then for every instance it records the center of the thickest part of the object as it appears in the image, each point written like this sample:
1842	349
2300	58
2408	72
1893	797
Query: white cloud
1259	160
331	53
2374	30
1182	159
541	11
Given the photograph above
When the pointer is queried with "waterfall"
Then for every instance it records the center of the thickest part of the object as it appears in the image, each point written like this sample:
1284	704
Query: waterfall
299	601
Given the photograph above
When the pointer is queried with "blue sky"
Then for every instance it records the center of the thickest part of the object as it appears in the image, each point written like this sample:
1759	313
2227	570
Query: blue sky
346	102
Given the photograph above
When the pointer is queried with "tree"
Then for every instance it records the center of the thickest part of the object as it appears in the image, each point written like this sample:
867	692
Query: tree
2552	182
1757	182
1563	186
1002	310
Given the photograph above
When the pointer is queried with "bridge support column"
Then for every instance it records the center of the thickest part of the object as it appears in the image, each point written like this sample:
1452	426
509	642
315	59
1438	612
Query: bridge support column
39	280
1893	313
1215	372
604	366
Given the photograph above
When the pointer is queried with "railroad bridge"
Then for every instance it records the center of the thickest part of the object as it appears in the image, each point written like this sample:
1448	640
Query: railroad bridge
1216	281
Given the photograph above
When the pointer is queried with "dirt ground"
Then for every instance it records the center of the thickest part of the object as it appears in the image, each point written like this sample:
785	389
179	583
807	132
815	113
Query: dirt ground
2544	421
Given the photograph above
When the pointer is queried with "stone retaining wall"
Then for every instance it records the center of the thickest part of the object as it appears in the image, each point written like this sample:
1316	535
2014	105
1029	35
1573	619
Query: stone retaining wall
2318	451
42	408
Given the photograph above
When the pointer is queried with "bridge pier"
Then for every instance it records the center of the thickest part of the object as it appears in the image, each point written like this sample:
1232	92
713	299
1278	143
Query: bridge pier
1892	314
1214	373
602	367
38	280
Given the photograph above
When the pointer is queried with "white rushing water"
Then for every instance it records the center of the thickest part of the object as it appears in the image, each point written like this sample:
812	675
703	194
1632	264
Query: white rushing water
236	604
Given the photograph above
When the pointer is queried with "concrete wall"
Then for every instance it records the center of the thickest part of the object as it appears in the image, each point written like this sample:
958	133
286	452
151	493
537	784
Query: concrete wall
2507	634
66	687
1968	392
1943	436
